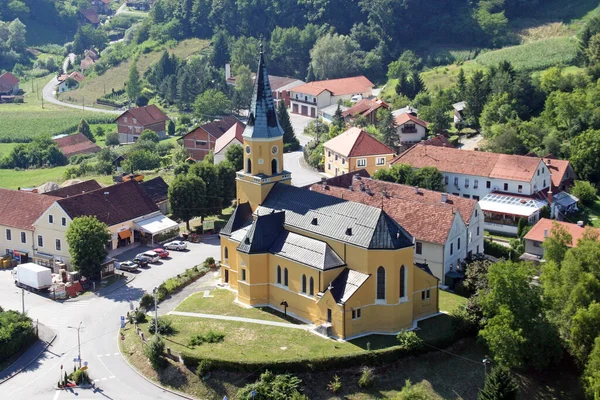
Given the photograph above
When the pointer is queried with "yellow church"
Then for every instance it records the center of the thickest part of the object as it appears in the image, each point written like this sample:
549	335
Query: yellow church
343	266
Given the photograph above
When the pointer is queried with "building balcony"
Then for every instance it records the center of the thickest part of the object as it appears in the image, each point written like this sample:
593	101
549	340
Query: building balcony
261	178
310	102
409	130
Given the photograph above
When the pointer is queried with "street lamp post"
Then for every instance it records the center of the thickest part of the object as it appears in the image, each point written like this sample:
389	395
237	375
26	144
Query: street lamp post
154	291
23	300
485	364
78	343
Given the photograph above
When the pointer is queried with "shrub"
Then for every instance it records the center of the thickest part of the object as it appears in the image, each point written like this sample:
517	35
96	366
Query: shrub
275	387
499	384
80	377
335	385
209	262
412	392
164	327
409	340
112	139
16	333
162	292
154	351
463	323
140	316
496	250
367	378
209	337
204	367
147	301
585	191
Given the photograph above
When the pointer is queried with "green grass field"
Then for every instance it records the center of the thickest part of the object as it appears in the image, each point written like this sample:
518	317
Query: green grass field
115	77
445	76
450	301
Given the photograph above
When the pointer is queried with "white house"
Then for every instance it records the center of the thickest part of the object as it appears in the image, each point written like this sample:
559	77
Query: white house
228	139
410	129
307	99
447	228
509	186
67	82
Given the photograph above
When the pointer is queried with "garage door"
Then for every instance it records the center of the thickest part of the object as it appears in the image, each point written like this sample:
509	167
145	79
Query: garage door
304	110
295	108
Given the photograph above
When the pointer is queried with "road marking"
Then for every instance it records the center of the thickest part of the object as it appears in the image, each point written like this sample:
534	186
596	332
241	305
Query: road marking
111	377
57	394
117	354
96	380
99	355
107	355
103	379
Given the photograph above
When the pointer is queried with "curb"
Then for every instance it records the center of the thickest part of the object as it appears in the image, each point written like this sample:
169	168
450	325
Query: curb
112	289
31	361
182	395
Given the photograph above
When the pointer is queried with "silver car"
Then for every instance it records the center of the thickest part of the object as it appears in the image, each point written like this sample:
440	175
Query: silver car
176	245
152	255
128	266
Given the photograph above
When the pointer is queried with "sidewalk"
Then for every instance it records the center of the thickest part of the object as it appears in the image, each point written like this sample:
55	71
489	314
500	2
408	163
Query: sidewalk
45	338
240	319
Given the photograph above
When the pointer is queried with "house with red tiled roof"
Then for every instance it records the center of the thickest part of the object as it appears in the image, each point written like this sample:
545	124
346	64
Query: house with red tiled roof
67	82
562	172
307	99
89	16
201	140
534	239
509	187
232	137
447	228
9	84
439	140
353	150
101	6
410	128
76	144
367	108
134	121
18	212
87	63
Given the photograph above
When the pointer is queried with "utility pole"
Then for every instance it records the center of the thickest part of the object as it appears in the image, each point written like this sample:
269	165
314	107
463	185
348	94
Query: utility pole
78	342
485	364
83	103
154	291
23	300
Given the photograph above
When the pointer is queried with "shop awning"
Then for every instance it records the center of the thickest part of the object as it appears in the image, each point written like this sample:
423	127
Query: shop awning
513	205
156	224
125	234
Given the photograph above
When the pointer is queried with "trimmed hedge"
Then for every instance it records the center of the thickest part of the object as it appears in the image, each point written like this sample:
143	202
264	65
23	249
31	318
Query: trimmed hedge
495	249
366	358
16	333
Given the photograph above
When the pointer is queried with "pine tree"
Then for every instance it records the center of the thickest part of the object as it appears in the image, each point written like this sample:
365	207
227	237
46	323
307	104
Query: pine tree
310	74
84	128
220	53
401	86
499	385
338	118
290	142
185	97
387	126
134	88
461	85
584	42
417	84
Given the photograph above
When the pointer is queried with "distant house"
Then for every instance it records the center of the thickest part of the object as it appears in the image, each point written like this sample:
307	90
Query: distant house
353	150
438	140
87	63
75	189
535	238
9	84
201	140
459	109
158	190
561	171
367	108
280	85
410	129
63	81
133	122
327	113
101	6
76	144
307	99
92	53
229	138
89	16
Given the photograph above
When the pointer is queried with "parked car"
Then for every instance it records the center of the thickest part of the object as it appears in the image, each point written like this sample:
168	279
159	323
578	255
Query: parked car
142	260
129	266
162	253
176	245
153	256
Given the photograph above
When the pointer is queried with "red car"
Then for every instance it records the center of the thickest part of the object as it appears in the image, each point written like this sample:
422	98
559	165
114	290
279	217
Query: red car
162	253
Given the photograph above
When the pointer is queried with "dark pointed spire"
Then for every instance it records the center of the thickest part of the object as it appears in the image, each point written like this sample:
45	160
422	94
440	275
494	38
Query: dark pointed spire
262	121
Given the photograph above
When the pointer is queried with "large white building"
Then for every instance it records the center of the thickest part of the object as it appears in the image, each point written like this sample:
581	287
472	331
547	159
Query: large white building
307	99
447	228
508	187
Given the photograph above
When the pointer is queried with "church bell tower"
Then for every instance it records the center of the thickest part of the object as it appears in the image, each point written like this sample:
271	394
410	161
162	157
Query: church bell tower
263	145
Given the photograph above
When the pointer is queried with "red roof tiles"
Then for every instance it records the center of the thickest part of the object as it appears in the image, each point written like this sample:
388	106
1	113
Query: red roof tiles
537	233
337	87
21	209
76	144
406	117
147	115
365	107
355	143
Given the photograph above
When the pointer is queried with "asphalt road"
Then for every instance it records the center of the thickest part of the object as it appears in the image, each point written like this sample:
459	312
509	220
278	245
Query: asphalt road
48	93
100	317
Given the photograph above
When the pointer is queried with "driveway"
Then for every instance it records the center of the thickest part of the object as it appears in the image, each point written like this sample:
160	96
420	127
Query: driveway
471	143
100	318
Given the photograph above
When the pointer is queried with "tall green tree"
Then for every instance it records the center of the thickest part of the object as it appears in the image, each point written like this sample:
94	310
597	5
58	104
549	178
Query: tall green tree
209	174
476	97
437	113
585	156
85	129
338	118
226	174
500	384
134	86
386	123
557	243
461	85
235	155
290	142
335	56
244	86
187	197
87	238
220	49
211	105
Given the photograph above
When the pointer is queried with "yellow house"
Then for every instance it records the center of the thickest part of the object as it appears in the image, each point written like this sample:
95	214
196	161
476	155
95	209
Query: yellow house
353	150
345	267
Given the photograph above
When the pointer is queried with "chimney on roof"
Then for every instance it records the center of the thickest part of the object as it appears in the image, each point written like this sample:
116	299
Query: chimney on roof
314	221
443	144
545	233
247	241
422	141
548	162
416	189
362	187
368	191
349	231
357	177
476	149
444	197
549	196
384	193
227	71
580	224
324	183
351	188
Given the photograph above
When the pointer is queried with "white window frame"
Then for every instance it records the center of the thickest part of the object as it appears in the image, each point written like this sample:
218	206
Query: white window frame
8	234
361	162
50	219
58	245
63	221
23	237
380	161
40	239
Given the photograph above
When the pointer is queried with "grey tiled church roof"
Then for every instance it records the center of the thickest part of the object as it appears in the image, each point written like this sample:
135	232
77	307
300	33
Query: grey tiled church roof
262	121
239	218
263	232
346	284
348	222
305	250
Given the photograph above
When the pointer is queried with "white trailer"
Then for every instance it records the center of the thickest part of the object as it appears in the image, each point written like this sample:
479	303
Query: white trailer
32	276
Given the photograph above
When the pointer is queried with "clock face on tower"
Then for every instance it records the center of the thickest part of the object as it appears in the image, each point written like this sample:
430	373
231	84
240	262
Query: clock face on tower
247	149
274	149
